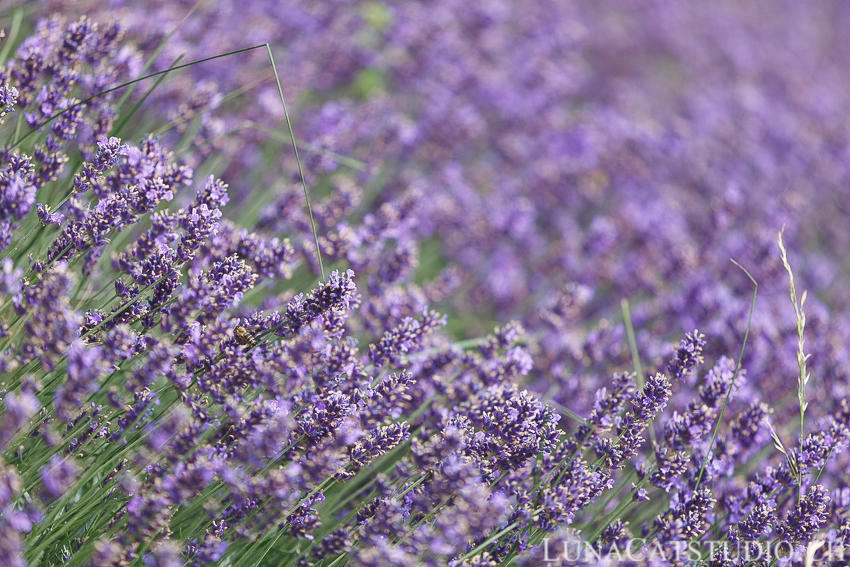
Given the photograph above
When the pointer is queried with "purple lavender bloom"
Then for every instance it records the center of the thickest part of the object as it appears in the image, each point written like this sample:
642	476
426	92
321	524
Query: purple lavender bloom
149	175
387	400
688	355
378	443
105	552
17	410
325	415
165	554
670	466
17	194
339	541
213	194
405	339
58	475
475	514
51	157
807	518
211	549
10	485
748	425
46	217
698	419
616	535
167	428
85	367
518	426
337	295
52	325
758	523
831	439
12	548
122	343
11	280
108	153
271	258
648	403
198	225
8	99
383	554
502	338
579	486
544	151
142	178
640	494
304	519
686	518
606	408
54	65
652	399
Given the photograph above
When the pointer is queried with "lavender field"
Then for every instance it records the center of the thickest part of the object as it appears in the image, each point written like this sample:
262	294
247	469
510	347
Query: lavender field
453	284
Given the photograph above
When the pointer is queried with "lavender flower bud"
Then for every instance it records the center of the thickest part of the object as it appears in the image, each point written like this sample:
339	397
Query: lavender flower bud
378	443
46	217
686	517
407	338
305	519
10	485
807	517
17	410
17	193
337	295
688	355
10	278
8	99
108	153
653	399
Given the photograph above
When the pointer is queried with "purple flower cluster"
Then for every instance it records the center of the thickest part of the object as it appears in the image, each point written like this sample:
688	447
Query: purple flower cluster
176	388
17	195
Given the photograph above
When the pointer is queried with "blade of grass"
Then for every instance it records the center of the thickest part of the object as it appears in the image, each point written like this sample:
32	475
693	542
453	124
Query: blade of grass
567	412
792	460
734	376
17	19
297	160
630	333
804	376
344	160
127	84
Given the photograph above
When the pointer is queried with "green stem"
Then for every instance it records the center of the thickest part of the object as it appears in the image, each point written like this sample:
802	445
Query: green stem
297	160
734	376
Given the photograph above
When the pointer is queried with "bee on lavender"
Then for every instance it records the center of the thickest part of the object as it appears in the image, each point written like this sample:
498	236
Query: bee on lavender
244	337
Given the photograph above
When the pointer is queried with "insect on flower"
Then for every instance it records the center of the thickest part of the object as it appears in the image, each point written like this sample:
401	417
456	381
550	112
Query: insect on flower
243	336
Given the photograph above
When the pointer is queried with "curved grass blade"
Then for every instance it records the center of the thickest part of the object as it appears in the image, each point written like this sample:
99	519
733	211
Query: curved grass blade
127	84
630	333
298	161
734	376
17	19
